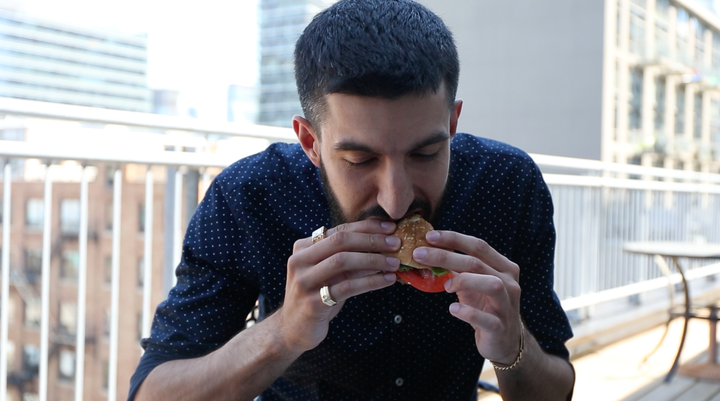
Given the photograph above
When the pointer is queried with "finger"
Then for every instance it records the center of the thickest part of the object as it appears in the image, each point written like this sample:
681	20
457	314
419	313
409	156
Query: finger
456	262
346	241
474	247
348	265
495	292
354	274
371	226
478	319
353	287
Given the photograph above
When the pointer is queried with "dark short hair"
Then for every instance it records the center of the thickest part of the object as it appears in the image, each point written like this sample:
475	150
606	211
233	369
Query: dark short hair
375	48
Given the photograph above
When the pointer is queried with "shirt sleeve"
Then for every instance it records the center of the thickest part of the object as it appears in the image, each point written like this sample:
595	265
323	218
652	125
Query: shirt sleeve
539	305
213	294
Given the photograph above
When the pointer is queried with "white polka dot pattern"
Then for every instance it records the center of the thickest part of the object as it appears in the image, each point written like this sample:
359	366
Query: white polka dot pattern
395	343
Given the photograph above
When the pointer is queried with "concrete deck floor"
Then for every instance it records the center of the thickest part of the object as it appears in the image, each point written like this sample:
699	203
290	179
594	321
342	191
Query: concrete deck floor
617	372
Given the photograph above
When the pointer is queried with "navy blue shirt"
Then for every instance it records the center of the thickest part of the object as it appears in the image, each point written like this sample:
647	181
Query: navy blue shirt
392	344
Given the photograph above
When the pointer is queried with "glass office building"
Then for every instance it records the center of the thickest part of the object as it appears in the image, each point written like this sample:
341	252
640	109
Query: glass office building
55	62
281	22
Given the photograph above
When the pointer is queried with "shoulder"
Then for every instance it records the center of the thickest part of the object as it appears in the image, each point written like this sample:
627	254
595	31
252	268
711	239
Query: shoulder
278	162
474	152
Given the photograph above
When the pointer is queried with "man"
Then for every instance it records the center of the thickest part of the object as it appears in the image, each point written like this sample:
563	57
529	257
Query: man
377	80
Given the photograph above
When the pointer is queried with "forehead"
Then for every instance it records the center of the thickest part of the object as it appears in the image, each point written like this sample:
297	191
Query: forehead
390	125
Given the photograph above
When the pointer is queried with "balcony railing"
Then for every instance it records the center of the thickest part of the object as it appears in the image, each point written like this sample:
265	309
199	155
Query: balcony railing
598	206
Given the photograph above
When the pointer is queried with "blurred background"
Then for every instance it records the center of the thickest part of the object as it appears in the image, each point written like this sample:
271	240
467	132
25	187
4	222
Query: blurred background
116	116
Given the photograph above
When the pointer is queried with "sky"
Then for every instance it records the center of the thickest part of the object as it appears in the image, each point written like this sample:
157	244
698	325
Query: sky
195	47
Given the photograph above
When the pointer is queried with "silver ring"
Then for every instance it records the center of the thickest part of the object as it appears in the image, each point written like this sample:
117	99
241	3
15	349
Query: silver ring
325	296
318	234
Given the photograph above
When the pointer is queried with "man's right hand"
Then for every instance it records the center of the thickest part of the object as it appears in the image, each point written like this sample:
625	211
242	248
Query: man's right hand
349	261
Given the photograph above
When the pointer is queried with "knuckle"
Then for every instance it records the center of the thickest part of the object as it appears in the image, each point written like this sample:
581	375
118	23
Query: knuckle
373	241
495	285
291	262
341	228
481	247
344	288
514	270
476	266
297	246
336	260
339	237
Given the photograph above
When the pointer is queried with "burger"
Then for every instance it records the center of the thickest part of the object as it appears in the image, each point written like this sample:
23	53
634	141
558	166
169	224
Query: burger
411	232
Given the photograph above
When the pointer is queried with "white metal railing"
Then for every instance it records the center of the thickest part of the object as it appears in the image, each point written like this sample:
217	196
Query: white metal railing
598	206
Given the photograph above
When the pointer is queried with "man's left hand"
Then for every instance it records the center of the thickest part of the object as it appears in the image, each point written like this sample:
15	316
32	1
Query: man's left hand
486	284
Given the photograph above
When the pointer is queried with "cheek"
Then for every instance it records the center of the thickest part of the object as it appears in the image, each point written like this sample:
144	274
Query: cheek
352	189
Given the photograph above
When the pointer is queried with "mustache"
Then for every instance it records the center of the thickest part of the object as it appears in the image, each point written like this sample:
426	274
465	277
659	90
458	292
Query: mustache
419	206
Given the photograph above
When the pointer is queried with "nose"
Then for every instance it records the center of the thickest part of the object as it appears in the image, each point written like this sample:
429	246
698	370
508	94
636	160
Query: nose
395	191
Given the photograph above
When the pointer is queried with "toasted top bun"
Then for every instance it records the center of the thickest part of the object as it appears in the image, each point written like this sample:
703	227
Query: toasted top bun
411	232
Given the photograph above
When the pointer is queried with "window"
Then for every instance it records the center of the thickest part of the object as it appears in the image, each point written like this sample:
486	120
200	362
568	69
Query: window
141	218
139	326
34	214
31	358
107	270
69	265
659	105
33	264
141	272
66	365
10	354
680	110
32	312
68	318
70	216
106	323
636	87
108	217
697	119
106	375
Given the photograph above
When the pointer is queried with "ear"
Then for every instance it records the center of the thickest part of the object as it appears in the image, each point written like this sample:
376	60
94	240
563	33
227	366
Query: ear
457	108
308	138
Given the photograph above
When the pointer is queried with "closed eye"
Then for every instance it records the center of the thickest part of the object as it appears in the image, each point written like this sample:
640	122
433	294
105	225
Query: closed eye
356	164
425	156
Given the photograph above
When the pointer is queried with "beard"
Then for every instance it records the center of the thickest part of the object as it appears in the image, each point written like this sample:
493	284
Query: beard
421	206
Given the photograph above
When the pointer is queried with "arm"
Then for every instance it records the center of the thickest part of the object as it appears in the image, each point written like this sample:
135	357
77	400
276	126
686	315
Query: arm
348	261
488	291
240	370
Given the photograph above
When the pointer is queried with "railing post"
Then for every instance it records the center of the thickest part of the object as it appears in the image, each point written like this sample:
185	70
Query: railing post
147	281
115	283
82	288
5	302
45	292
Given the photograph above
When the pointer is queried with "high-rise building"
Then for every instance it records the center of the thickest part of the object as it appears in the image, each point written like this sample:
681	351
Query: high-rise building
242	104
281	22
56	62
628	81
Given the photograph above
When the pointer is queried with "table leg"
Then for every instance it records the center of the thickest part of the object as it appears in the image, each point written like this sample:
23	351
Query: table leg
712	346
686	318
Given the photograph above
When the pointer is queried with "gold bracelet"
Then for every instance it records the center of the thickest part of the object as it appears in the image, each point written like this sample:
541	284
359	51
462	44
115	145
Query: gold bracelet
520	354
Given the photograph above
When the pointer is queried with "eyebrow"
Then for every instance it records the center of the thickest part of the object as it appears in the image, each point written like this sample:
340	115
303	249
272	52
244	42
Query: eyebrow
353	146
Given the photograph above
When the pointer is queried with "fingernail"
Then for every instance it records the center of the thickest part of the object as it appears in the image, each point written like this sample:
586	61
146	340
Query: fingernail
432	236
390	277
447	285
387	225
393	262
419	253
454	308
392	241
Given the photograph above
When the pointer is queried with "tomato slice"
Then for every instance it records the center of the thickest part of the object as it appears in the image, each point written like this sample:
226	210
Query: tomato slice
431	283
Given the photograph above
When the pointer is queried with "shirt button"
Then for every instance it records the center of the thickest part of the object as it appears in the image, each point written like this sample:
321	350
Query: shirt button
398	319
399	381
